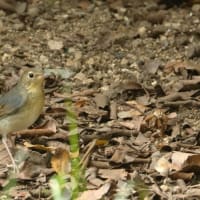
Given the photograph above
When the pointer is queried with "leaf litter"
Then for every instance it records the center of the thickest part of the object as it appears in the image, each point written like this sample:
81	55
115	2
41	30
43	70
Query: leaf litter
133	81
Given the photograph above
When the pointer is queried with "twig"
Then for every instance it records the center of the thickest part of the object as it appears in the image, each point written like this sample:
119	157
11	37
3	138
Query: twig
107	133
33	132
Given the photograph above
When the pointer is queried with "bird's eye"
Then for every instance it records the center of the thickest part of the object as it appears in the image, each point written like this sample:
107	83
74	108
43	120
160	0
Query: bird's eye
30	75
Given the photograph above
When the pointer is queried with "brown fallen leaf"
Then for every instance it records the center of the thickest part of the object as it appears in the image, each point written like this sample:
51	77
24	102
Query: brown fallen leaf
95	194
192	164
179	159
128	114
39	147
113	174
134	124
123	154
139	106
183	165
118	156
141	139
96	182
60	161
186	176
93	113
32	164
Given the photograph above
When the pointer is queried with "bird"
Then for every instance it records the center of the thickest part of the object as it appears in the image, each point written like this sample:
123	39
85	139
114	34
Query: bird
21	106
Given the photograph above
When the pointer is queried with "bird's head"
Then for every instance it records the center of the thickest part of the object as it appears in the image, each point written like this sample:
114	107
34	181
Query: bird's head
32	80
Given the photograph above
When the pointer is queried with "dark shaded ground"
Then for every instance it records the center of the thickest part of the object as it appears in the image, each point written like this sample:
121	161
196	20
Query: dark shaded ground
135	89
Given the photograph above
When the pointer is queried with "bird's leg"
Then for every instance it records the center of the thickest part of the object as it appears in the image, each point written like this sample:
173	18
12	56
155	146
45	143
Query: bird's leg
4	141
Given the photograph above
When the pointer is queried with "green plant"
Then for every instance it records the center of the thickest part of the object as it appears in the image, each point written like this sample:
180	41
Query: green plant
61	188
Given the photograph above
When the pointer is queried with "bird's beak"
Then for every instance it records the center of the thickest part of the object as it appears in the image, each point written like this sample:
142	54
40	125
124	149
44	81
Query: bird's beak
41	77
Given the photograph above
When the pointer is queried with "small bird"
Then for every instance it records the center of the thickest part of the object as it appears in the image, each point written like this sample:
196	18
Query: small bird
21	106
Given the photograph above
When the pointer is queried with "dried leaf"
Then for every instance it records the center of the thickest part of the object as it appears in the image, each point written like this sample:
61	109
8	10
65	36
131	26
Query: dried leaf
97	182
134	124
128	114
39	147
60	161
118	156
113	174
34	164
95	194
140	107
186	176
179	159
141	139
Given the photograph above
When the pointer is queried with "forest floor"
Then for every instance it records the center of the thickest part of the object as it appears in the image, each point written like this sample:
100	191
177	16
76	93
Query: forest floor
130	72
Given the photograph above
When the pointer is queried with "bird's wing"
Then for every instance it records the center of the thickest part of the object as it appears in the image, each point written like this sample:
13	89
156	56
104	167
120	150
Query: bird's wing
12	101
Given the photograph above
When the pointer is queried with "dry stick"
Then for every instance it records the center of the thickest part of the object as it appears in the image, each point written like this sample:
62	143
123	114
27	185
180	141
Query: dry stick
181	196
85	158
178	103
177	96
155	188
108	133
190	82
88	92
141	160
85	162
106	165
113	110
33	132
